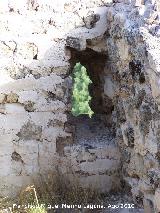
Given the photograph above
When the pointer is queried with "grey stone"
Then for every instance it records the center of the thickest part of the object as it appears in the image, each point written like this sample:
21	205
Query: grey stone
29	106
30	131
91	20
130	136
76	43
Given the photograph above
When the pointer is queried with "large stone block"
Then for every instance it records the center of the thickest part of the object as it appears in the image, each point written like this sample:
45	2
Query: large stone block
47	83
27	50
76	43
90	20
8	124
13	108
30	131
2	98
99	166
101	183
12	98
7	48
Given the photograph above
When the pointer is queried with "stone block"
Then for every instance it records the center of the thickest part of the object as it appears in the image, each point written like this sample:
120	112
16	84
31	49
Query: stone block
150	161
90	20
12	123
27	51
76	43
29	95
151	142
27	147
139	143
12	98
6	49
101	183
13	108
53	106
51	133
109	87
2	98
42	118
110	14
46	83
30	131
99	166
120	19
123	49
157	199
62	141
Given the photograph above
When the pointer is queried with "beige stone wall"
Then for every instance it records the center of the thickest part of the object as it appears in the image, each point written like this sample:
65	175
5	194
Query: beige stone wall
32	90
34	84
34	87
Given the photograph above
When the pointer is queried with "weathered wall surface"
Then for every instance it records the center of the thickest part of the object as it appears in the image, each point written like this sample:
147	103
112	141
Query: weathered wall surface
34	84
34	87
131	81
133	52
32	90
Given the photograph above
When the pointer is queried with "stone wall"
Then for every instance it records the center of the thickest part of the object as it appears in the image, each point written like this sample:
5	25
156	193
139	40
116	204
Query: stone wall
35	87
133	52
131	80
33	90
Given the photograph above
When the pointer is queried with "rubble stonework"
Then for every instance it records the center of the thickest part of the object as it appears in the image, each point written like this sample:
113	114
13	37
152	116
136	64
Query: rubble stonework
35	88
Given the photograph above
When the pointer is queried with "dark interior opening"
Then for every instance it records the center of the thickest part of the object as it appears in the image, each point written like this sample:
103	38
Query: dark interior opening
99	129
94	63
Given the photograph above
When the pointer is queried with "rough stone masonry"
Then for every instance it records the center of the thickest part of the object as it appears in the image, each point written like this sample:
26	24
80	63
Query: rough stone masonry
35	50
